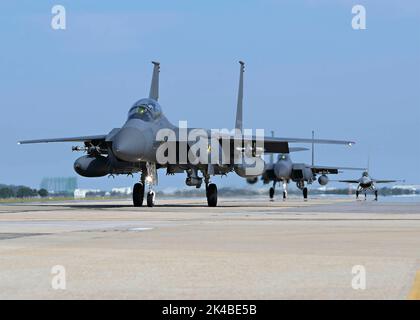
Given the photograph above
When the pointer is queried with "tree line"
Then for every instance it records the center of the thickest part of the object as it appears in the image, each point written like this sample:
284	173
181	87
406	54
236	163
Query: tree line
7	192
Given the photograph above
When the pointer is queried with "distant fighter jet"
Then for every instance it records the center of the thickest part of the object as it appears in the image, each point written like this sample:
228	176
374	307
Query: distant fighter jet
285	170
134	148
367	183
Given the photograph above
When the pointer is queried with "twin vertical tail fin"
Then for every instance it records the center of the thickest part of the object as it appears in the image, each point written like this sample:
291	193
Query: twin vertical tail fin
154	87
271	154
313	148
239	107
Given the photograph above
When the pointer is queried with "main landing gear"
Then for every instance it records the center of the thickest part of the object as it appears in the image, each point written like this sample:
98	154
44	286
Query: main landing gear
148	177
272	191
301	186
374	190
358	193
211	194
138	194
305	194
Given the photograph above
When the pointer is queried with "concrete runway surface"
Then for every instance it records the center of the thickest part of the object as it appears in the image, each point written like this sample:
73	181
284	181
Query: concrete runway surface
181	249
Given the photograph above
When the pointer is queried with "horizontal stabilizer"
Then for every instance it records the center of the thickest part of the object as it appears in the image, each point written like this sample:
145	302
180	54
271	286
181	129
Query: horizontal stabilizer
297	149
332	170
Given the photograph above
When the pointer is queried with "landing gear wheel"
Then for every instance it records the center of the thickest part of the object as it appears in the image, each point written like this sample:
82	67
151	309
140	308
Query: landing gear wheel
138	194
284	195
357	195
376	195
305	193
150	198
271	193
211	193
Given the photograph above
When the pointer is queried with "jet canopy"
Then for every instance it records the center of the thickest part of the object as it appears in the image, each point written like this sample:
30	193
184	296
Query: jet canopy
282	156
146	110
365	174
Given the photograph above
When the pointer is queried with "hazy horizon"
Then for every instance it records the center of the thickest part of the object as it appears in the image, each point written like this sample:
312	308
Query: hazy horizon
306	69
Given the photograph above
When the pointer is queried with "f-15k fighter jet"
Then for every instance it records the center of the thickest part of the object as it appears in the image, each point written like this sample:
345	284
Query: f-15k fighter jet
285	170
148	141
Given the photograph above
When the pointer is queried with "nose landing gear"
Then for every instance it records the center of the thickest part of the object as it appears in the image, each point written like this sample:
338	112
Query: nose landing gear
284	190
151	198
149	177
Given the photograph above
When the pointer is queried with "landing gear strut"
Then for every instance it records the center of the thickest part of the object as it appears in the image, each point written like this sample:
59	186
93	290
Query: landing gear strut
376	195
284	190
272	191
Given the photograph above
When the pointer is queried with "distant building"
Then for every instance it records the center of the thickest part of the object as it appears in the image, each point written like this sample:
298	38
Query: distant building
59	185
81	193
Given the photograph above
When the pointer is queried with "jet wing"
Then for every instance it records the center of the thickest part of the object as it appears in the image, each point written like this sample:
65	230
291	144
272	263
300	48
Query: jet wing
386	181
331	170
349	181
281	145
98	138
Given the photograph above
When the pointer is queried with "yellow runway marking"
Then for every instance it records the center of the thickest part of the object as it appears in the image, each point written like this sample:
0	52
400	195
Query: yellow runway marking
415	290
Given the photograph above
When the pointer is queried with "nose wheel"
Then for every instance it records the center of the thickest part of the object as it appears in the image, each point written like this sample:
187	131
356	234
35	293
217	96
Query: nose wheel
149	177
151	198
211	193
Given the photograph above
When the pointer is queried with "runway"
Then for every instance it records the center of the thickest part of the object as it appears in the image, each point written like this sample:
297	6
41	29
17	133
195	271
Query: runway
181	249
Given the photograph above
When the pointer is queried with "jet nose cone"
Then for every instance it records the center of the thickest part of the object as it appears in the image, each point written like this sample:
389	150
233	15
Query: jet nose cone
128	144
282	170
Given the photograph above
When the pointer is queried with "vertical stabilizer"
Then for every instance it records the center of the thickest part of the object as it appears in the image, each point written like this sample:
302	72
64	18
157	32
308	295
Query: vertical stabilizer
154	87
238	123
271	154
313	148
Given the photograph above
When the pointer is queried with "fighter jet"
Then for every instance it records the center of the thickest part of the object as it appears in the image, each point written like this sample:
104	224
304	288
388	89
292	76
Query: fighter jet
137	147
285	170
367	183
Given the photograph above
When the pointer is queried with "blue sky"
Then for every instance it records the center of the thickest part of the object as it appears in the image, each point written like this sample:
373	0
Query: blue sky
306	68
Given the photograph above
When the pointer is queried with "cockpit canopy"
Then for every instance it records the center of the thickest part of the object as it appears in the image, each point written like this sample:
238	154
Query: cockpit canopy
282	156
146	110
365	174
